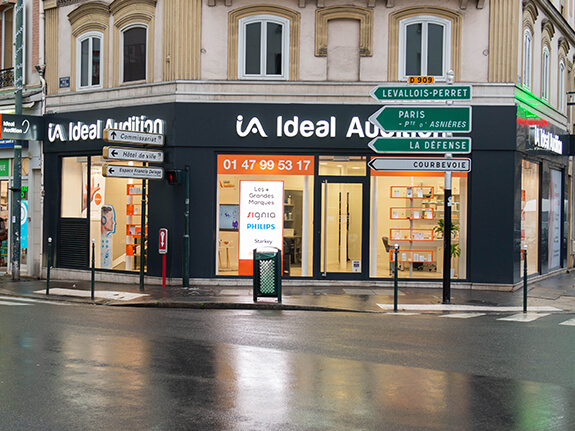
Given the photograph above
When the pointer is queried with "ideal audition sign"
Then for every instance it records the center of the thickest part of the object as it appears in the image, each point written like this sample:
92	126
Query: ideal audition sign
261	219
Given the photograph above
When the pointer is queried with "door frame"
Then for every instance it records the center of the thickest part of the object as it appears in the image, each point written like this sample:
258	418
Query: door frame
317	235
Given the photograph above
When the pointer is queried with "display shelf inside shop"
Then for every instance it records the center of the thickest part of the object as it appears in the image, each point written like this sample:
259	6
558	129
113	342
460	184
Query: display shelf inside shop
397	234
412	192
411	213
412	256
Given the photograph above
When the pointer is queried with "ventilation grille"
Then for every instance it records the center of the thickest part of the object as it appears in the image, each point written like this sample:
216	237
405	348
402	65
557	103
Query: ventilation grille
73	243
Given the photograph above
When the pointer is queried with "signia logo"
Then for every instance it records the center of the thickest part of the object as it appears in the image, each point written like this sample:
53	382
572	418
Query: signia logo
254	126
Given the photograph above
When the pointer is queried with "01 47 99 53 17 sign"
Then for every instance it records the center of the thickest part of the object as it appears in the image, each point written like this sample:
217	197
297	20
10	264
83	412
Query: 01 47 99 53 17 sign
257	164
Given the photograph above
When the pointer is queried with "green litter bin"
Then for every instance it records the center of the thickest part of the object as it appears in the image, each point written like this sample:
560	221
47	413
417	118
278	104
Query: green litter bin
267	273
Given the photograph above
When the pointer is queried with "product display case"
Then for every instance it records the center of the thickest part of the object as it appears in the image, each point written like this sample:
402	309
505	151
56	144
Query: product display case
412	224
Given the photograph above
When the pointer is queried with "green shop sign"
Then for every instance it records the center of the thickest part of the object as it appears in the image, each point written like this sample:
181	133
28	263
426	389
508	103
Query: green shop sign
4	167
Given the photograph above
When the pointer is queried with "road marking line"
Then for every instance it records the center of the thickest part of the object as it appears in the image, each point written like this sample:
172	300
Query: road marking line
473	308
403	313
462	315
104	294
570	322
524	317
12	303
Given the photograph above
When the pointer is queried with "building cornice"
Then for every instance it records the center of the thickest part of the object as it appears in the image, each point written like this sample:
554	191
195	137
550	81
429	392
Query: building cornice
557	19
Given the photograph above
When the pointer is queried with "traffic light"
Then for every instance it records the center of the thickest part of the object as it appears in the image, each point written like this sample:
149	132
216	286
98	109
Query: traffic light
174	176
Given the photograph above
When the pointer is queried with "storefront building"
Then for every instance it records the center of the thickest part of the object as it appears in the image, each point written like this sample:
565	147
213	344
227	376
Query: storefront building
339	219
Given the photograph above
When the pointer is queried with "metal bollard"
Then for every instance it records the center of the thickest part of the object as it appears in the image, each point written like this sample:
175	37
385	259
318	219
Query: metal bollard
93	267
49	265
525	280
395	278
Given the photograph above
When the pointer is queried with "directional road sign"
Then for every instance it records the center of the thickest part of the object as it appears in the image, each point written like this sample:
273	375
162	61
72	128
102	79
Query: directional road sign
421	145
421	92
137	138
423	118
141	172
137	155
420	164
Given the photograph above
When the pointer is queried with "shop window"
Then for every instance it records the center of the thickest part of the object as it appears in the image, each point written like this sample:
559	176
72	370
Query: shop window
527	58
89	54
424	47
134	46
407	210
554	219
530	214
292	213
263	47
108	209
545	74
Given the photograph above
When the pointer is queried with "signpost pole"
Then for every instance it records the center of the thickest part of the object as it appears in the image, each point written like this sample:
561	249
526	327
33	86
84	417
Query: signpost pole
186	274
143	234
17	182
447	221
447	239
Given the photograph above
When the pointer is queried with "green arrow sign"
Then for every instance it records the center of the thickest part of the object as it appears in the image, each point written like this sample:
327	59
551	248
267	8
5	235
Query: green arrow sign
422	92
421	145
423	118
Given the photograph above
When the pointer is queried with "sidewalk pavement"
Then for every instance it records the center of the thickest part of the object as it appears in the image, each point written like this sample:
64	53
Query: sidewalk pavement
554	294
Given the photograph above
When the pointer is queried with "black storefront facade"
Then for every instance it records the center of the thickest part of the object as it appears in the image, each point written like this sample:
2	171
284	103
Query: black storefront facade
339	218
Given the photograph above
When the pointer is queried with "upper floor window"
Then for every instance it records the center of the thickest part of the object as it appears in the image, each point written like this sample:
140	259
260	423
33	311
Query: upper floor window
90	56
424	47
545	74
134	51
527	58
561	87
263	47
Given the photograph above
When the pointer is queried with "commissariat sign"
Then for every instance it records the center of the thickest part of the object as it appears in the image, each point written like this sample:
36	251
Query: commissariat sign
420	164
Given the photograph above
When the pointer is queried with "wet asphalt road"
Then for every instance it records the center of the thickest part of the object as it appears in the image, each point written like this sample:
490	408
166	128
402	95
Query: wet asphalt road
71	367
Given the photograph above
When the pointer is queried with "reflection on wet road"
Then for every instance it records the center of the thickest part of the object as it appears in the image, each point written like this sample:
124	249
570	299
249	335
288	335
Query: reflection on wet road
92	368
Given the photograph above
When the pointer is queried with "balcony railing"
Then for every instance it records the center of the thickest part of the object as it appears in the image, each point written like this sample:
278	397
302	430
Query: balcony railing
7	77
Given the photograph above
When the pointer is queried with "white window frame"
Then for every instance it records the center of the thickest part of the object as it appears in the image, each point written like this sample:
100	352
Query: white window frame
89	35
561	85
425	20
122	32
264	20
545	64
527	59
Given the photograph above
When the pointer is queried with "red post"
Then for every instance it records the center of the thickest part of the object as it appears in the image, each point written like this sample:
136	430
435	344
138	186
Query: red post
163	270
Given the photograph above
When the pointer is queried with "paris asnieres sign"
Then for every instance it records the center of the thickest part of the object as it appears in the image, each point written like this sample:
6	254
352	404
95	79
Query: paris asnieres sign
423	118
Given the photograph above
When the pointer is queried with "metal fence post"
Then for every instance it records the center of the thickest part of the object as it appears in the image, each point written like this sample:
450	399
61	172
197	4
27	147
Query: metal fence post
395	278
49	265
94	267
525	280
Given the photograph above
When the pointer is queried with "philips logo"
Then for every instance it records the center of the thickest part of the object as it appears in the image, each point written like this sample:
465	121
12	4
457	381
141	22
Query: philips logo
261	226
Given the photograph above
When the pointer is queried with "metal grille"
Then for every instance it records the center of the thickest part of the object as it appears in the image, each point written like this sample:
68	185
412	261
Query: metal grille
267	277
7	78
73	244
